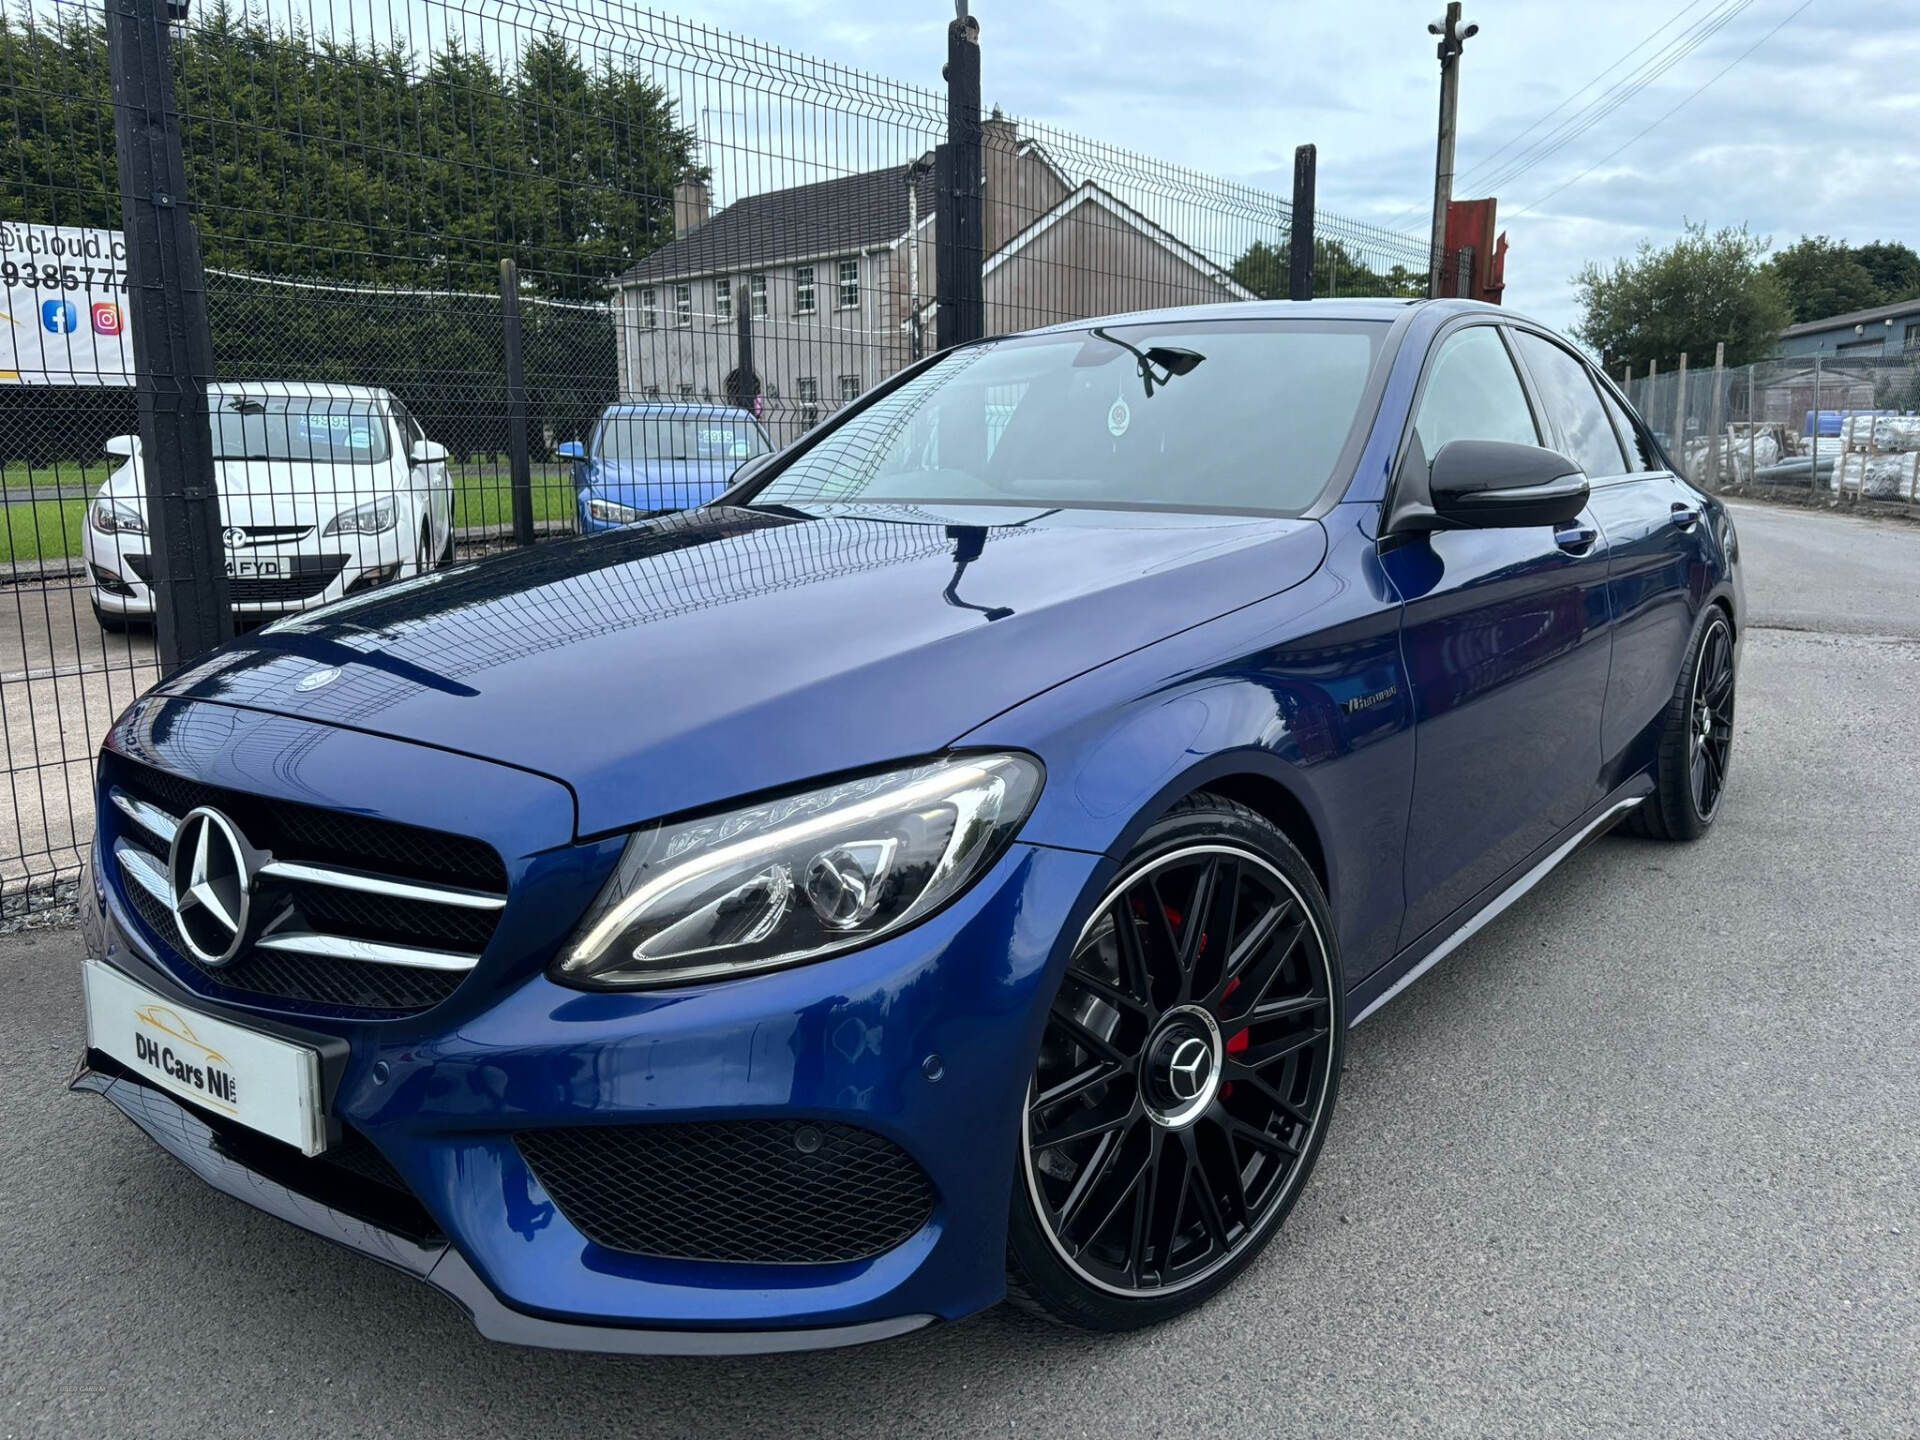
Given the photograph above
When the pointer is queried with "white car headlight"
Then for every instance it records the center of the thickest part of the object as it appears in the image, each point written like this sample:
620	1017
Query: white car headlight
111	517
608	513
801	877
376	517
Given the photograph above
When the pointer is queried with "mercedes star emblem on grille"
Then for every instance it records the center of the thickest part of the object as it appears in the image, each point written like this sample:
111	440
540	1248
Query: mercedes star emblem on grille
210	874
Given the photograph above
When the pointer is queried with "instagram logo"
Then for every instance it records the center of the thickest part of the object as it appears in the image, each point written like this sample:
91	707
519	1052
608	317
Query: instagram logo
107	319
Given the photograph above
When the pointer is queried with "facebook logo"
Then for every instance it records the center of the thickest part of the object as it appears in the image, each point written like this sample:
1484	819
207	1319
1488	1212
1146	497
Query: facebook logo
59	317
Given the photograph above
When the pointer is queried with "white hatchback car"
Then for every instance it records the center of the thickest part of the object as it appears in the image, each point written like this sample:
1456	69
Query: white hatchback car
325	490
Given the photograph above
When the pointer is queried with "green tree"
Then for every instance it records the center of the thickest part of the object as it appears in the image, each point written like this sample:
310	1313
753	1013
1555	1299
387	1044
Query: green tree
1263	268
1706	287
1895	269
1823	277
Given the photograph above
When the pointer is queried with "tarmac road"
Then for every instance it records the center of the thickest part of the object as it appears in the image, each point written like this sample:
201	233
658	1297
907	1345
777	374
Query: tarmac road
1643	1156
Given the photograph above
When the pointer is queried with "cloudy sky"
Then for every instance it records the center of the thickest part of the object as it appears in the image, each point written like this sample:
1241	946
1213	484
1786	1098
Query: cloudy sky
1813	132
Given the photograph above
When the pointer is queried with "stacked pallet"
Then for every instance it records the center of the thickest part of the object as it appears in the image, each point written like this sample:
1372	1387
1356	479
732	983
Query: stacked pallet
1879	458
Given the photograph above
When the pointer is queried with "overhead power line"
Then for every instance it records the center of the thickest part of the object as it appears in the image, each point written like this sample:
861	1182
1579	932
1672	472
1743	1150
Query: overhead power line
1793	15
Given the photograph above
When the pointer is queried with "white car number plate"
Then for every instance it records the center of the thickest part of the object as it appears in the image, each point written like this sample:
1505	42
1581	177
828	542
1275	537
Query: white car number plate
262	1082
256	569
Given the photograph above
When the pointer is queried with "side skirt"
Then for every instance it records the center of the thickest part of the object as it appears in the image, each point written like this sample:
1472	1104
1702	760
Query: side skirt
1378	989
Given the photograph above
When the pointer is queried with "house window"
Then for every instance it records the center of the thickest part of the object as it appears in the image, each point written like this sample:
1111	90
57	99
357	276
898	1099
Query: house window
849	387
809	400
803	290
757	293
649	308
849	284
1913	337
683	306
722	300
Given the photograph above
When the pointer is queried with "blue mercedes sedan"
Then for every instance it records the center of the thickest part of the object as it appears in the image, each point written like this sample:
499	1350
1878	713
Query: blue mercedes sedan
646	459
945	867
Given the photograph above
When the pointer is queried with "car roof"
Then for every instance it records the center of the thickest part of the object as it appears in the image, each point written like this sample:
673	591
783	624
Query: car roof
295	389
671	407
1363	308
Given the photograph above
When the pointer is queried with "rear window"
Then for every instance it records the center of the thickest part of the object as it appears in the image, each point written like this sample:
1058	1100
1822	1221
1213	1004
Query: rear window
299	427
678	437
1211	415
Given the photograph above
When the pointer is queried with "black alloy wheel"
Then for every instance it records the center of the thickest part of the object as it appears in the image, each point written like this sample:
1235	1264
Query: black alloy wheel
1696	739
1185	1077
1710	719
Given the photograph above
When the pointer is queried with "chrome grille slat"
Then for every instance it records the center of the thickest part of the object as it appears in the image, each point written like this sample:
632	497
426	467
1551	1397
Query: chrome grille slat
150	818
344	879
144	871
373	952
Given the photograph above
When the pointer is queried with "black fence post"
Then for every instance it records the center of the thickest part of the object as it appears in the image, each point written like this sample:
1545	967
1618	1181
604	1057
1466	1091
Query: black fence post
961	250
745	386
172	339
519	462
1300	235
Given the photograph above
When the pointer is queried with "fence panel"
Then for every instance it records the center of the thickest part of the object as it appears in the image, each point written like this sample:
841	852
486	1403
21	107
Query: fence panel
714	245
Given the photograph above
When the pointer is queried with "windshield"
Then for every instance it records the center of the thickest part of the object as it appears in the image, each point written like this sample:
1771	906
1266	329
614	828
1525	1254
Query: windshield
299	427
1229	414
678	437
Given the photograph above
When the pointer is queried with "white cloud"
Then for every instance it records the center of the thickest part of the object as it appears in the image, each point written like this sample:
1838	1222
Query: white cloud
1807	135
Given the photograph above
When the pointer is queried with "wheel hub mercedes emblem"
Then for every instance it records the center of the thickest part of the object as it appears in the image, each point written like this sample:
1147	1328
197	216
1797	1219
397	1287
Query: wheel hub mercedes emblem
1189	1068
209	869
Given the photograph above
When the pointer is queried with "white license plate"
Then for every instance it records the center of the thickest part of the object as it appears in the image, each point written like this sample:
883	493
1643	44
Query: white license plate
256	569
264	1083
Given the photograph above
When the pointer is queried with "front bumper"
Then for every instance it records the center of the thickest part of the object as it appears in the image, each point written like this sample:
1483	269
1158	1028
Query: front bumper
315	570
925	1040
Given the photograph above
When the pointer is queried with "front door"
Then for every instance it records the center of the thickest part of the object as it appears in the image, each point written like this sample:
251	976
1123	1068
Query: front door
1506	635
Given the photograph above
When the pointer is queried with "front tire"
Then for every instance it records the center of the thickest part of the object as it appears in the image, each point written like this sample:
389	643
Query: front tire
1696	740
1185	1079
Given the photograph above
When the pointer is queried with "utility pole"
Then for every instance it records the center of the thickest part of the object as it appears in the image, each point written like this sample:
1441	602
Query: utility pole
1453	40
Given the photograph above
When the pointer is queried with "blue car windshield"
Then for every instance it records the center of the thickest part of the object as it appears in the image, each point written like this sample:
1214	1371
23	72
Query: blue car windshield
678	437
1193	415
316	428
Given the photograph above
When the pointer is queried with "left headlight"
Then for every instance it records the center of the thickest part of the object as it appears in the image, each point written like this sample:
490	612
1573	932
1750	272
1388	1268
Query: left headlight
110	517
610	512
376	517
801	877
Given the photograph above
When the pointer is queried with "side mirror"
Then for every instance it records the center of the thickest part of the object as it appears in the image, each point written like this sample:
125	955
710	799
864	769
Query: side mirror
1486	484
747	469
122	446
571	450
428	452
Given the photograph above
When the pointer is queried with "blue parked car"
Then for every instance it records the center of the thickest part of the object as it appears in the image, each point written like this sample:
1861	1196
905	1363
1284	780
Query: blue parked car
642	460
943	868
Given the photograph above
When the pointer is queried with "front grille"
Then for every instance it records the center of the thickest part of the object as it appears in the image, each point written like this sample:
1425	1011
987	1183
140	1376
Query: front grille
311	575
769	1192
335	941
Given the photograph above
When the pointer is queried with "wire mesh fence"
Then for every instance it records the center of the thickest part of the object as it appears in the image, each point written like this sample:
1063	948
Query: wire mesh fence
481	274
1842	429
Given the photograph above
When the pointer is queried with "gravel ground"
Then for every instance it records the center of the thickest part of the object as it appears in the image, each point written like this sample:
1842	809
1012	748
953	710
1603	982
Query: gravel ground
1642	1157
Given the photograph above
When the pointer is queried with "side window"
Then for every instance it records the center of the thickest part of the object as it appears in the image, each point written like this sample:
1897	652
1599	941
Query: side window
1473	393
1573	405
1639	455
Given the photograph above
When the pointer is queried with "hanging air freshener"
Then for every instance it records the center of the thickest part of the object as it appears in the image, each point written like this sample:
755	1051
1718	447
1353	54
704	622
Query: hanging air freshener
1119	417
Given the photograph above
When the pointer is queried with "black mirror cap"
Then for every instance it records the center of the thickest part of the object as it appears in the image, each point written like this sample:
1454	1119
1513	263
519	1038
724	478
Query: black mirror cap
1487	483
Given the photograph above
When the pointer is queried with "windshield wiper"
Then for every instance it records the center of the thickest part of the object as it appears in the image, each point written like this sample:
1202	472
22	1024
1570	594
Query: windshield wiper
1158	364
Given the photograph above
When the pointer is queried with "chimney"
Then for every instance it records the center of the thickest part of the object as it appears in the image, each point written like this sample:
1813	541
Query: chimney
1004	211
692	205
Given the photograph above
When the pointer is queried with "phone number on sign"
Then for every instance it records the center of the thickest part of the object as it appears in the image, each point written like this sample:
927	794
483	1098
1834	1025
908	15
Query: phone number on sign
62	277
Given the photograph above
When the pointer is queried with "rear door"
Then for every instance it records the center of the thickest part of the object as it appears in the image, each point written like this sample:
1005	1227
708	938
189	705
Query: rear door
1653	528
1506	638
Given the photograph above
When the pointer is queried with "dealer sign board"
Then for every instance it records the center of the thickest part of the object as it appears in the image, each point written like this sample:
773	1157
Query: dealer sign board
64	317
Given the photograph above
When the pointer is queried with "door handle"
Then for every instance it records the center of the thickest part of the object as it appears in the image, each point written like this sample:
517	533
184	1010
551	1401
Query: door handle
1577	540
1683	515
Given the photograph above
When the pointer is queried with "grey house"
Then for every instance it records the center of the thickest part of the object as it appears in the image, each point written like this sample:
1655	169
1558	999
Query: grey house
1889	330
840	278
